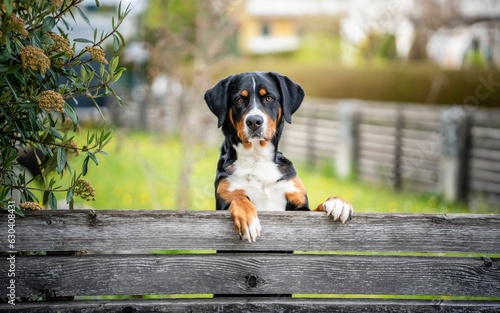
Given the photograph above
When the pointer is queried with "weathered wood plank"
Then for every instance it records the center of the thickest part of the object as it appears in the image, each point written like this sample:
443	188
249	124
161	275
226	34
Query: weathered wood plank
487	154
421	124
238	305
59	230
420	174
478	131
372	156
421	135
485	143
253	273
485	186
382	148
380	168
387	131
485	165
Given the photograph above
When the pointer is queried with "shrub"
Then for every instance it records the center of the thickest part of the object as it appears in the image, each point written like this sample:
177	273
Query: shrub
41	74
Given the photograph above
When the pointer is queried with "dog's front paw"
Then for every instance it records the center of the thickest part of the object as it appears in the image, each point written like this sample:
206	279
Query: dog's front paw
245	219
336	207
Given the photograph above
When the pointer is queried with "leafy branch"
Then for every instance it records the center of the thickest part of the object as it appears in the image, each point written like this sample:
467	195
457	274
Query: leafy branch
40	75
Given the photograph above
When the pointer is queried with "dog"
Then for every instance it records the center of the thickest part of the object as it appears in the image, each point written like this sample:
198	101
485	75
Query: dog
252	175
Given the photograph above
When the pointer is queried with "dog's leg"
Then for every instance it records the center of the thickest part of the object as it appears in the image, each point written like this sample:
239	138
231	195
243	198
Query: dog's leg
246	222
244	214
297	200
338	208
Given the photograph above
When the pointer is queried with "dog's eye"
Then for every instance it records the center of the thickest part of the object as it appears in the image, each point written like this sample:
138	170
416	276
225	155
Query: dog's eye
268	98
240	100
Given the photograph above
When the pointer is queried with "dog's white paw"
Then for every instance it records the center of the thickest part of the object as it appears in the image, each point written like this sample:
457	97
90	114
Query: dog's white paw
338	209
252	230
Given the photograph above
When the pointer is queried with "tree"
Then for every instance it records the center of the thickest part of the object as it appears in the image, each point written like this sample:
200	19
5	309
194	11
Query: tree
189	36
427	17
41	74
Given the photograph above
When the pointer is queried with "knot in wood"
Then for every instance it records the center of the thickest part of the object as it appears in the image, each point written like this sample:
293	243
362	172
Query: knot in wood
252	281
130	309
487	262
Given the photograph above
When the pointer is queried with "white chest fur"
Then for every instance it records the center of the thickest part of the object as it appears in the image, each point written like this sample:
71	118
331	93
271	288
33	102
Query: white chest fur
258	175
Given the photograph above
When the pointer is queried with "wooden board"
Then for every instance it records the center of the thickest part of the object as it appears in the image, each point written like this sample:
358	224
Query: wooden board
286	231
238	305
253	273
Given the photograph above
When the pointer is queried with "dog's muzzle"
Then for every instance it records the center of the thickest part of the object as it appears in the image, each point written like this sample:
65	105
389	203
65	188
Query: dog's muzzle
254	125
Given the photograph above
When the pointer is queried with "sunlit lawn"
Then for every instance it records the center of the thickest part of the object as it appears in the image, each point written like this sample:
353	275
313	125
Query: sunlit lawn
141	172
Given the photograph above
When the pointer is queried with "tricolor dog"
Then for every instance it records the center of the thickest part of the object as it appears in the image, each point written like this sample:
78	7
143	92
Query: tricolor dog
252	175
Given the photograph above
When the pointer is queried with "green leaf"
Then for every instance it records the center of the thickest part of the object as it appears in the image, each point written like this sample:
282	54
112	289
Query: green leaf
63	20
14	69
90	139
7	44
8	6
83	73
113	64
32	196
101	70
4	192
97	107
105	135
52	201
116	43
121	37
45	197
85	18
54	132
85	166
69	195
83	40
70	112
61	160
118	99
48	24
18	211
93	157
118	74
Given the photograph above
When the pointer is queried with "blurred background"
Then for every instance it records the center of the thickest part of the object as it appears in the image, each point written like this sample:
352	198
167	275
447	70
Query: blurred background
401	114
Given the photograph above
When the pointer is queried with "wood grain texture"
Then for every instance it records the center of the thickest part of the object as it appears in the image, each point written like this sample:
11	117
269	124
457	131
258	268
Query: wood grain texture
239	305
253	273
286	231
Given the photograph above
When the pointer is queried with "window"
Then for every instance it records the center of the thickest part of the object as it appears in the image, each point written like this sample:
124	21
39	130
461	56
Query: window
265	29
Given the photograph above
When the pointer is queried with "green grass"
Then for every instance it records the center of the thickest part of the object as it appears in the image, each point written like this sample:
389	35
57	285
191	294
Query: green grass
141	171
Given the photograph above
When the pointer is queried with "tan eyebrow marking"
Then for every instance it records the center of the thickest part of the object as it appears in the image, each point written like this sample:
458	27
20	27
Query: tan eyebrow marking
262	92
244	93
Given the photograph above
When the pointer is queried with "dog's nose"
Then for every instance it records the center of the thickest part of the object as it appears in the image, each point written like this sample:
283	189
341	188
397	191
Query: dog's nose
254	122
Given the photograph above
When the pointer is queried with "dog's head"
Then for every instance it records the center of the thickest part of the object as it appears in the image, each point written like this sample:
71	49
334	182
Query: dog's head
253	105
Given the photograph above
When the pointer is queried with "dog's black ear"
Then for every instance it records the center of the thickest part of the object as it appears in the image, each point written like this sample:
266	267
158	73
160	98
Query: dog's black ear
291	93
216	99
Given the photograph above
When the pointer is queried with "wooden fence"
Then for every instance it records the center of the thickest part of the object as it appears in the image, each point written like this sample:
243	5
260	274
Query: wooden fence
376	262
452	150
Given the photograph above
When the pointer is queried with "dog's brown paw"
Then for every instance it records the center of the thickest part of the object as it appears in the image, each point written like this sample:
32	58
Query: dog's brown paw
338	208
245	219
